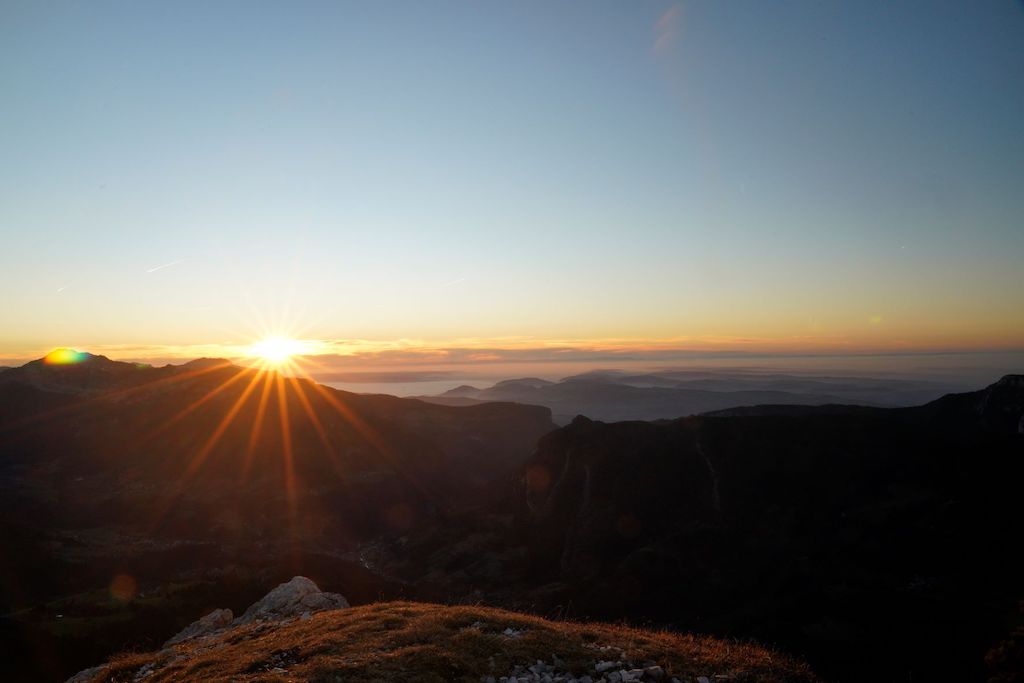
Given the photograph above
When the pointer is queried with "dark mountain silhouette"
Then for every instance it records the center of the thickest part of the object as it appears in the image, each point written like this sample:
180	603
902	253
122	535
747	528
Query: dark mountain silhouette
463	391
220	419
615	395
208	479
878	543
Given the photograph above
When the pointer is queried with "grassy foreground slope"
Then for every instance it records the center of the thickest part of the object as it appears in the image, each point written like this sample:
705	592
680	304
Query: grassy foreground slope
405	641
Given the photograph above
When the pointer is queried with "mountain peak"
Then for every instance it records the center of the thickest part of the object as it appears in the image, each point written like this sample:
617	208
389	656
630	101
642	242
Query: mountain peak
533	382
206	363
69	356
464	390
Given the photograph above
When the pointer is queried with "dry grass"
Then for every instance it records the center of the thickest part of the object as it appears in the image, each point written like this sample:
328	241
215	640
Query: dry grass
404	641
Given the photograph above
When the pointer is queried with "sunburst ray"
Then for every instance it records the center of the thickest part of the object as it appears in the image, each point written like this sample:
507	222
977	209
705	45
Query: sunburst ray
257	424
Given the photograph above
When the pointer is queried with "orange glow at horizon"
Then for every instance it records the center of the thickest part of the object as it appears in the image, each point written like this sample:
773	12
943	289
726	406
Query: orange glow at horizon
275	349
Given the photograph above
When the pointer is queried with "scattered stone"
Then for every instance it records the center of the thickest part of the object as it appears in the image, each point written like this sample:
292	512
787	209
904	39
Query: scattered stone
278	662
604	672
86	675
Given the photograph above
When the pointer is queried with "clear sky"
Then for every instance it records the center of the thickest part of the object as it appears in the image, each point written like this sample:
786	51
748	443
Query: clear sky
180	177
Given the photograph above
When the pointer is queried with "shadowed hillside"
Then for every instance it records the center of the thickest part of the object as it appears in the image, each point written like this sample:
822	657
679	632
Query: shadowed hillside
404	641
204	479
866	540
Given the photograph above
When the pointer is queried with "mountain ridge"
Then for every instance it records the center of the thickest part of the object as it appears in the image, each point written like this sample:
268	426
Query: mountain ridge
833	531
615	395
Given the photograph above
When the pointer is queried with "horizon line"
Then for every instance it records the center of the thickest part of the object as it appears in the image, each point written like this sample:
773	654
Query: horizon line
459	352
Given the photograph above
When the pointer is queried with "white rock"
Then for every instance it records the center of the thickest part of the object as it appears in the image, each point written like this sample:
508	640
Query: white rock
87	675
145	671
292	599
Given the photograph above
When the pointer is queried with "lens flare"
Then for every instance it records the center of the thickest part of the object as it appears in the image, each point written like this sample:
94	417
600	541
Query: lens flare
64	357
123	587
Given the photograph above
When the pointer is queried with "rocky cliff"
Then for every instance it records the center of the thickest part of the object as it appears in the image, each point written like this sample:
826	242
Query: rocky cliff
868	539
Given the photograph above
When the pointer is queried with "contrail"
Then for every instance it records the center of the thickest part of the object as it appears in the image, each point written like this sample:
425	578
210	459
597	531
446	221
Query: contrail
453	282
166	265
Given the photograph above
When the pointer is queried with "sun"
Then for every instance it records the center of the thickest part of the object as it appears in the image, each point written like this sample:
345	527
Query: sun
276	350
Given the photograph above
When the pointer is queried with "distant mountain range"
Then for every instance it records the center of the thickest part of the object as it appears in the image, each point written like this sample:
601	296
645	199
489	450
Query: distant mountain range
614	395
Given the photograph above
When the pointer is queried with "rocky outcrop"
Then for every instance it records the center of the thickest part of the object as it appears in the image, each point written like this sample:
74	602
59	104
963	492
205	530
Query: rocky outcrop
290	601
296	598
214	621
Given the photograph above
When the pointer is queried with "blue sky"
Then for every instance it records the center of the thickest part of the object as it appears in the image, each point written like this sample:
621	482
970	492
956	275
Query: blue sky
788	175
